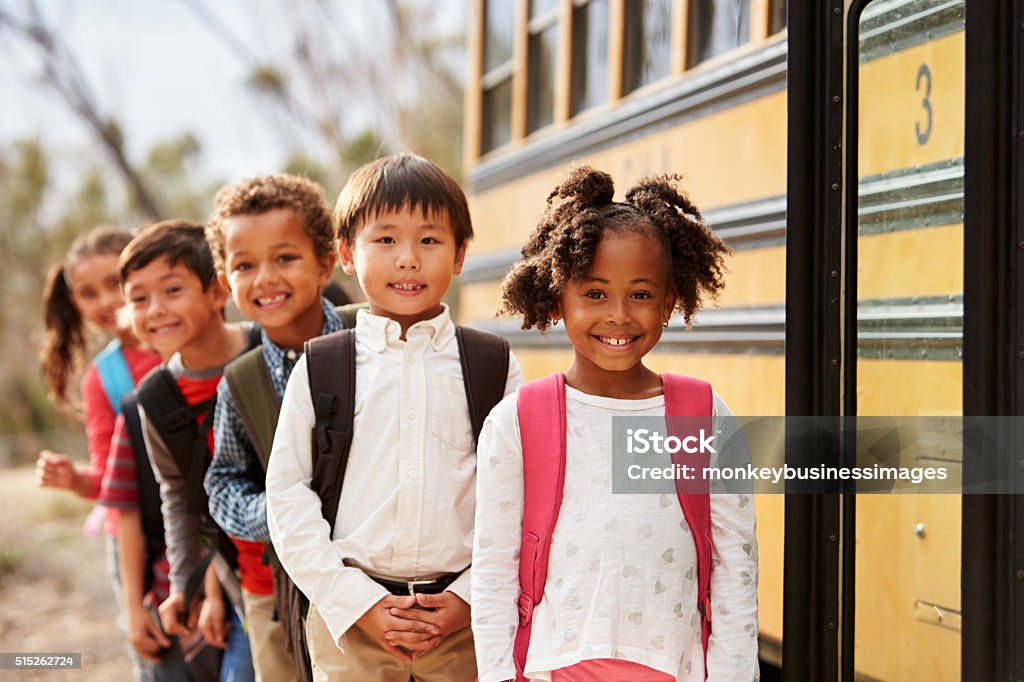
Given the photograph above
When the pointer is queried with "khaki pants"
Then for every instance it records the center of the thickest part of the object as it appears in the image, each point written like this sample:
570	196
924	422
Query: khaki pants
363	659
270	659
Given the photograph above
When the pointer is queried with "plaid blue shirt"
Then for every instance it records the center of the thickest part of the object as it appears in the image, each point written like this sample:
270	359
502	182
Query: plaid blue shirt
235	481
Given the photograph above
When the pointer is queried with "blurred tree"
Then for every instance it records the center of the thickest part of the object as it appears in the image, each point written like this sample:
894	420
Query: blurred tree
358	80
363	148
301	163
62	73
173	167
38	221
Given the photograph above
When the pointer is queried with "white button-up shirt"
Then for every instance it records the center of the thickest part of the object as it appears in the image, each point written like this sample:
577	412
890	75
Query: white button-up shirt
408	501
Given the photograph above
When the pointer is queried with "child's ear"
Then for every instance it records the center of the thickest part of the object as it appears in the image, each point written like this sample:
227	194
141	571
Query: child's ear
460	258
555	315
326	268
346	258
219	293
670	306
223	280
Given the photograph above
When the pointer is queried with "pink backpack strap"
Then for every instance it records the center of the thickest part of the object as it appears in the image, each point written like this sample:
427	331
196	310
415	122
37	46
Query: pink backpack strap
690	397
541	408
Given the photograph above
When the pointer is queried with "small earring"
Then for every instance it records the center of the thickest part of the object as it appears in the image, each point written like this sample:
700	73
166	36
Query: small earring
665	323
554	322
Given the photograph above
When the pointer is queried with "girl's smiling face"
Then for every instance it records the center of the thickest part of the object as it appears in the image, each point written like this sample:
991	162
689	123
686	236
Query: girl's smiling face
614	316
96	290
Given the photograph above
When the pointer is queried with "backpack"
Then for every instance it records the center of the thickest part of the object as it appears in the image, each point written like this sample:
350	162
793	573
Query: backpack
258	405
184	429
114	374
150	515
331	359
544	479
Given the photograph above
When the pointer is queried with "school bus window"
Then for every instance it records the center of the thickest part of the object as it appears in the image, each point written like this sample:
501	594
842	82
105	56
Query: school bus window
543	44
647	45
589	55
716	26
499	23
777	15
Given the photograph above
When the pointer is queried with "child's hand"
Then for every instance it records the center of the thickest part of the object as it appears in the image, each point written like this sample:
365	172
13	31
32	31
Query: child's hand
402	638
173	616
213	622
54	470
144	634
446	611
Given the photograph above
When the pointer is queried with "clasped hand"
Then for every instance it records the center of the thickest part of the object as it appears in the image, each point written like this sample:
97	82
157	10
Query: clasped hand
409	626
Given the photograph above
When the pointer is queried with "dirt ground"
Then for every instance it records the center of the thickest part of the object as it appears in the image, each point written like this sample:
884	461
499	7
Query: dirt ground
55	596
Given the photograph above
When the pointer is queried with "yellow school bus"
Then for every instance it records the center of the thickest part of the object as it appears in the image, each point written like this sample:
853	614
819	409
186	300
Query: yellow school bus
699	87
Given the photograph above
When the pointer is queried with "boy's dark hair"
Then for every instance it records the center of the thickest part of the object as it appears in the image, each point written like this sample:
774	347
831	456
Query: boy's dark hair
393	183
254	196
580	210
179	241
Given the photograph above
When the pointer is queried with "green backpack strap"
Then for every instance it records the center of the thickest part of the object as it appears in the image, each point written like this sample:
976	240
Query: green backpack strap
259	408
348	313
258	405
484	358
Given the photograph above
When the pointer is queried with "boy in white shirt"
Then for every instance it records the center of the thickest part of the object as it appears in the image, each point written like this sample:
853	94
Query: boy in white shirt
404	521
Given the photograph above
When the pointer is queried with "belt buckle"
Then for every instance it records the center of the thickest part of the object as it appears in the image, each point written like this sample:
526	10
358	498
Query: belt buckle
411	584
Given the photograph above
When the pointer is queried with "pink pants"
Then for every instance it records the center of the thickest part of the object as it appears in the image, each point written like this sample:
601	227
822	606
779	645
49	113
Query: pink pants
609	670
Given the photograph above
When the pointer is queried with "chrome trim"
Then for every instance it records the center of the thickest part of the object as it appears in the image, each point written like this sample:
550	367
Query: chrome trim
915	328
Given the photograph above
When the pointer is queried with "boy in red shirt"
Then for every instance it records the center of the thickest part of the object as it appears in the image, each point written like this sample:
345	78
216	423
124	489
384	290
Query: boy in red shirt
177	303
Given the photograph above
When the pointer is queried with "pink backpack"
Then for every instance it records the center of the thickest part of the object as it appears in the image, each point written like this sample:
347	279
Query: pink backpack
544	479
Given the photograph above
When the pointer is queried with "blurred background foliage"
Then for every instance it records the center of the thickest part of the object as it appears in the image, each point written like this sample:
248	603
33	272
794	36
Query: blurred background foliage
333	98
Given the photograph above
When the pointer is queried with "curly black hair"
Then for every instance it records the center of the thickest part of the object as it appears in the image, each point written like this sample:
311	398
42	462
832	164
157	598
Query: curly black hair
580	211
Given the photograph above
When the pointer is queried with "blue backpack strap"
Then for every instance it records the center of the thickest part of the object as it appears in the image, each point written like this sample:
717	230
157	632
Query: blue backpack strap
115	377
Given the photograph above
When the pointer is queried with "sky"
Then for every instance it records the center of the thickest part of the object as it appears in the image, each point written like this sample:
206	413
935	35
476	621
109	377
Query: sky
160	72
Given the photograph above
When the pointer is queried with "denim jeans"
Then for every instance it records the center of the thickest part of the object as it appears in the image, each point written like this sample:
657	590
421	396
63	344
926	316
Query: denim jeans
236	666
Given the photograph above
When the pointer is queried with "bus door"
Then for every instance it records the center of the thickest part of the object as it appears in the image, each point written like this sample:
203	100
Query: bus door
904	233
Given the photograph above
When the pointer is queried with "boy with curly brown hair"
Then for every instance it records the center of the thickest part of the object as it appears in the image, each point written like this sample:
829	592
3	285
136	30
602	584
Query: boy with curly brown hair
273	246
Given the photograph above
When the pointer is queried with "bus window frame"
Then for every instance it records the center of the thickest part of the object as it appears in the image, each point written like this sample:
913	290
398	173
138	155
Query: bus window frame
535	28
993	526
813	523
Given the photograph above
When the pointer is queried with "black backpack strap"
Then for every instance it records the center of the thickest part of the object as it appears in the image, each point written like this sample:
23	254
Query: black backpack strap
248	379
183	428
150	516
290	607
331	366
253	336
484	358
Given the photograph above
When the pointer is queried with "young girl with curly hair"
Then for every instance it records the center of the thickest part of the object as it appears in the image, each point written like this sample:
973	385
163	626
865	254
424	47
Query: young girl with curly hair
629	593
